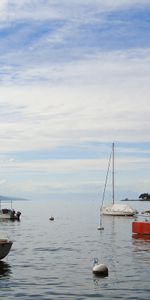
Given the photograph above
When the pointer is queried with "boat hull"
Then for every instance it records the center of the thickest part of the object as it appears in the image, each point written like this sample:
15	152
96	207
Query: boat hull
8	214
7	217
119	214
142	228
118	210
5	247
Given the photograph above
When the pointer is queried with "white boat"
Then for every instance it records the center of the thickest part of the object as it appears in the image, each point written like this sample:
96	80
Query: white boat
9	214
115	209
5	246
118	210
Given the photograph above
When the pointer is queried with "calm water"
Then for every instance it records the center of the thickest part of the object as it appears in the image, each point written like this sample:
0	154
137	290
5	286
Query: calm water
54	260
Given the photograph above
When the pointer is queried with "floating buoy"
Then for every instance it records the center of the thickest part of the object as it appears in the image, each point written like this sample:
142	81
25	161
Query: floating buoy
100	228
51	218
100	269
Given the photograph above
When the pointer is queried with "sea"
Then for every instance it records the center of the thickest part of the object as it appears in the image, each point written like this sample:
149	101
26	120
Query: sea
54	259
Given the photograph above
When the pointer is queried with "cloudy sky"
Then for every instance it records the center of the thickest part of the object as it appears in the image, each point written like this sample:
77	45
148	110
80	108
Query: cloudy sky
74	77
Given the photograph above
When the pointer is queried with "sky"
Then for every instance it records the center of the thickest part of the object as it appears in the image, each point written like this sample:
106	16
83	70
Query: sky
74	77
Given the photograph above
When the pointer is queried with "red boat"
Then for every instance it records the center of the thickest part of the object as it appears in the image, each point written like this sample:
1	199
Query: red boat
141	227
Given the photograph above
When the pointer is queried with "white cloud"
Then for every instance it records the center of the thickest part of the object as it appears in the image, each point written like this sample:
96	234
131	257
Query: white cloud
49	101
74	9
99	99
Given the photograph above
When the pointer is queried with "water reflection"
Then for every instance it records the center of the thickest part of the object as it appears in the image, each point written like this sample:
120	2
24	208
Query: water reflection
141	243
100	281
142	237
5	269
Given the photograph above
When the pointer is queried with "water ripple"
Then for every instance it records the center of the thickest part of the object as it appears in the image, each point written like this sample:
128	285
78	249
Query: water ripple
55	260
51	249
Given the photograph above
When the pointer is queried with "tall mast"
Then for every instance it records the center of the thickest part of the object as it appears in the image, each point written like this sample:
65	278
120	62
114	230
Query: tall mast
113	183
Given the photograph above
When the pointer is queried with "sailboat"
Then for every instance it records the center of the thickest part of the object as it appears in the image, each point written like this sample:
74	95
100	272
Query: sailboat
115	209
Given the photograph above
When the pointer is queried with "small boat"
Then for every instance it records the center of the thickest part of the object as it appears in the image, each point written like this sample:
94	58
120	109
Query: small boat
142	227
5	246
115	209
9	214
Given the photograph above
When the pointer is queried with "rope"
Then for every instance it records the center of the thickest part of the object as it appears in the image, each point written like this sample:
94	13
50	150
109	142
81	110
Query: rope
106	179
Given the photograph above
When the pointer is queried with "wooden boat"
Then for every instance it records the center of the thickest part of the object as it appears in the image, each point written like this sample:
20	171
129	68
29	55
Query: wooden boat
5	246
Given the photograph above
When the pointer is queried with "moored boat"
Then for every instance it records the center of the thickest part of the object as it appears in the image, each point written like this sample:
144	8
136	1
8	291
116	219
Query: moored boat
119	210
9	213
5	246
142	227
114	209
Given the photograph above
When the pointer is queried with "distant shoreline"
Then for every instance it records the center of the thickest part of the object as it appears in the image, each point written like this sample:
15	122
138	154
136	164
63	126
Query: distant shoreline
5	198
143	200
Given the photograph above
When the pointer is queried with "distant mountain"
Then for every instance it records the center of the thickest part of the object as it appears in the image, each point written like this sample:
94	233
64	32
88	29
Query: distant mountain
9	198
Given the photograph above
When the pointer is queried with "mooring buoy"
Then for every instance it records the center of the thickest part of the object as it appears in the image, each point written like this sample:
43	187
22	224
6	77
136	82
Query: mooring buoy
100	269
100	228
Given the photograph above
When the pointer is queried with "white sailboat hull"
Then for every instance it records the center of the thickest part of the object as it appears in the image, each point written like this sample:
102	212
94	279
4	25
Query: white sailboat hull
118	210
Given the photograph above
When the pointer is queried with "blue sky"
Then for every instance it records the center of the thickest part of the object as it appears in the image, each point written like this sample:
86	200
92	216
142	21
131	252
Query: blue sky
74	77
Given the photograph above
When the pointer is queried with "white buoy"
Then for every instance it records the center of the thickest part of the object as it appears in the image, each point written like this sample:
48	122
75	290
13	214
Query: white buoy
100	269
